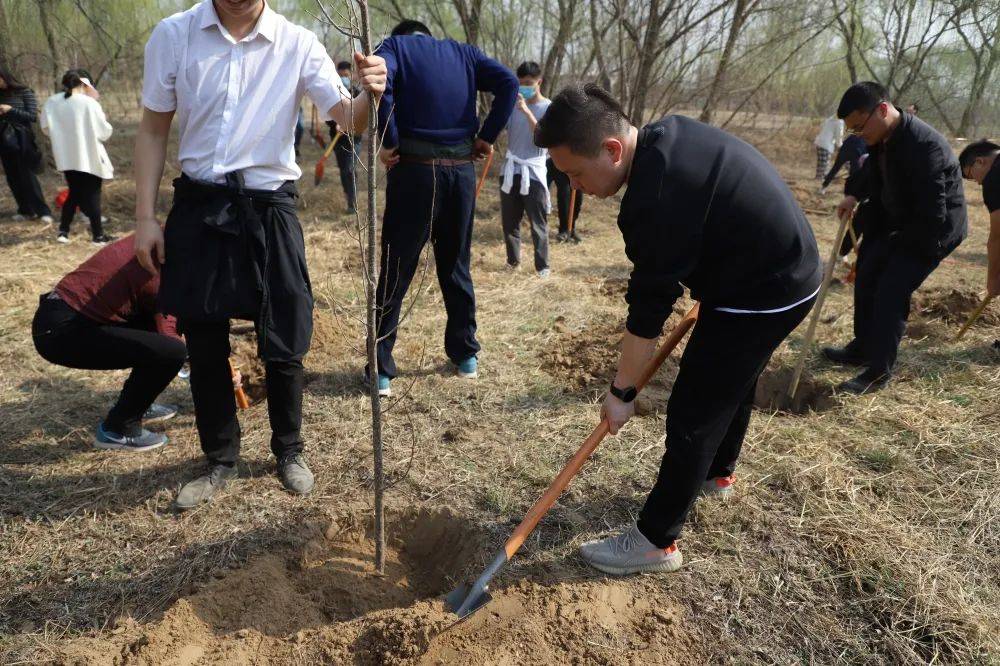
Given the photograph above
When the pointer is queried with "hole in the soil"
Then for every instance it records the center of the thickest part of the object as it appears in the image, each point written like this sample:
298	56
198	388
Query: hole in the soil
810	396
244	358
952	306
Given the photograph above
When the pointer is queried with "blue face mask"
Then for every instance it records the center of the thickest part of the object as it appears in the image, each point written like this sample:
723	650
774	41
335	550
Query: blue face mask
527	92
346	81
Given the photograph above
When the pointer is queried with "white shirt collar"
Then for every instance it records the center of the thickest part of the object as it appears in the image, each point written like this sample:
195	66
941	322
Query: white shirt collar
266	25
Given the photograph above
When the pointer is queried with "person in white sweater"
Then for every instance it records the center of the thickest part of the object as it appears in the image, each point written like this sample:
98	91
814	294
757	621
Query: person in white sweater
75	123
831	134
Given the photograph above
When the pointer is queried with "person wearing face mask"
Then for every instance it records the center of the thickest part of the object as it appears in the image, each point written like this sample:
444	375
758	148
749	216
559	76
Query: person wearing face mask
346	150
915	216
523	181
75	123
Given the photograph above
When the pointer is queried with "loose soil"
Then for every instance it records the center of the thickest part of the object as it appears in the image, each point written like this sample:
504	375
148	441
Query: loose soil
952	306
322	602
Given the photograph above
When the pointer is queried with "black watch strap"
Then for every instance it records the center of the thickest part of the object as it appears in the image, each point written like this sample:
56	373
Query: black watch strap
626	394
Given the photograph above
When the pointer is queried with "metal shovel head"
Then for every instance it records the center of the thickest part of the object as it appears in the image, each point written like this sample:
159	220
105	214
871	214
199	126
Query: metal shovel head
457	597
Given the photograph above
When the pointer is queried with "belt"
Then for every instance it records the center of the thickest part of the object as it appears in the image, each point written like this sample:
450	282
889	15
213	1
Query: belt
438	161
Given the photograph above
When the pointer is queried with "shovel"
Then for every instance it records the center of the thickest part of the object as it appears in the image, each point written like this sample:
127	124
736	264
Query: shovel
973	317
465	600
486	171
321	165
572	210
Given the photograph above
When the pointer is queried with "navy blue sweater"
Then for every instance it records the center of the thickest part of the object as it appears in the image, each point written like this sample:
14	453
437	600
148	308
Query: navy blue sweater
431	89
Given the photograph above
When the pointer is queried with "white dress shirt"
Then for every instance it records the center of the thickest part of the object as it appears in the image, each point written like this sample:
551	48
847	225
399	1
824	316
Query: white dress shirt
237	101
78	129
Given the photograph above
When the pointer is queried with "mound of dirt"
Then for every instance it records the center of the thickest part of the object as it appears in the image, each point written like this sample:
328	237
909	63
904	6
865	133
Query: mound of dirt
323	603
810	396
953	306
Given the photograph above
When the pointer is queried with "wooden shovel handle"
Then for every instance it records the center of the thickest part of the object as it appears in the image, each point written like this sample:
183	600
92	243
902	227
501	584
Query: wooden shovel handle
486	171
973	317
241	398
546	501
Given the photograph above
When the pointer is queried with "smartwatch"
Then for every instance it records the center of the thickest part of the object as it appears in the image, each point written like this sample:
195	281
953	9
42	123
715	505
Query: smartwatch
625	395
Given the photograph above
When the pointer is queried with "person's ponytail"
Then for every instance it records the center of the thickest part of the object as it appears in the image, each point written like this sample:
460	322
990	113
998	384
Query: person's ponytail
72	79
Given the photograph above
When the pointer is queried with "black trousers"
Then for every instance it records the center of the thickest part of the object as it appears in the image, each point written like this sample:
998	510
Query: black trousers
346	157
85	194
438	203
709	409
513	206
65	337
888	273
24	186
563	190
215	402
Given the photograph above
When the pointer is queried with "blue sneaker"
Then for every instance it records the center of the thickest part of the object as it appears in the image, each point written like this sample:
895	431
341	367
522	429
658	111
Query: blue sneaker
469	368
384	381
158	412
112	441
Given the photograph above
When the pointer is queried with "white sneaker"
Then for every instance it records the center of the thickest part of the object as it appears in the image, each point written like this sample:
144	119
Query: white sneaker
544	273
47	219
62	238
630	552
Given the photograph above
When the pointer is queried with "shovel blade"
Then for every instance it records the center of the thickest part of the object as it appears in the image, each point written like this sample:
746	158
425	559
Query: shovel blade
457	598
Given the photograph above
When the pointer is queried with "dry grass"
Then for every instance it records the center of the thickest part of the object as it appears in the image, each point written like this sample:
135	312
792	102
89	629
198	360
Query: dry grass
868	532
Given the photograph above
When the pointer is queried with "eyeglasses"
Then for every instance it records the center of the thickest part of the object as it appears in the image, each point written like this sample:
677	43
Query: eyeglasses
860	130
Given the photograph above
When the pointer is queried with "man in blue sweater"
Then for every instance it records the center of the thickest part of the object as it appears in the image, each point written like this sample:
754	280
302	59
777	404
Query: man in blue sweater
431	134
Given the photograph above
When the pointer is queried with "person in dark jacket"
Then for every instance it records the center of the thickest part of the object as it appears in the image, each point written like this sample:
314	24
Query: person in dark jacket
431	136
564	192
705	210
103	316
852	152
980	164
915	216
18	149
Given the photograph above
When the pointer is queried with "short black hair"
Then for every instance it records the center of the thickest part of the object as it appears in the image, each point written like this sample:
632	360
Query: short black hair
408	27
581	117
73	78
343	64
863	96
529	68
975	150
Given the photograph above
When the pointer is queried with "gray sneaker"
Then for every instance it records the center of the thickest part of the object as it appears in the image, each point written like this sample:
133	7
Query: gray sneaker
158	412
110	440
295	474
629	552
205	487
720	486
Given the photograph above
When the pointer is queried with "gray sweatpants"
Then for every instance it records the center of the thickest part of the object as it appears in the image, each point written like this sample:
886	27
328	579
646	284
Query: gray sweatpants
513	206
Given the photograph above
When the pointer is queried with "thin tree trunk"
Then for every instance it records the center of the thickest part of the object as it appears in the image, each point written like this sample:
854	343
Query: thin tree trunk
553	61
50	38
371	277
4	38
740	14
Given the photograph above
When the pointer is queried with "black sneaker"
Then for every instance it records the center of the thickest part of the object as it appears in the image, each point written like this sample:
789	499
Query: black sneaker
843	356
562	237
103	239
868	381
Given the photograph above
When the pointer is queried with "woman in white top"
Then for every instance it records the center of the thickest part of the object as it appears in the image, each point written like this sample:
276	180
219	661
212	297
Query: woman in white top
831	133
75	122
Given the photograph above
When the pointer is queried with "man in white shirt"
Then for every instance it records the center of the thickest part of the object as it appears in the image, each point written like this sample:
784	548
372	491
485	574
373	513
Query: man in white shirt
234	73
831	133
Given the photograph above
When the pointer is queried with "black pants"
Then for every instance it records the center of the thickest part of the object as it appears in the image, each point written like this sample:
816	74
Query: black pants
344	151
85	194
709	409
24	186
65	337
563	190
513	206
215	403
888	273
424	202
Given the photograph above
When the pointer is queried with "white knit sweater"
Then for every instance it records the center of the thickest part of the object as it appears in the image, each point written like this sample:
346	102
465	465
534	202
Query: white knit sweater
78	129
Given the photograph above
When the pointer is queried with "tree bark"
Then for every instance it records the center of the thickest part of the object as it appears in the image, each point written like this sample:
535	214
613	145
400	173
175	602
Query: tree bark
371	308
469	12
740	14
553	61
44	9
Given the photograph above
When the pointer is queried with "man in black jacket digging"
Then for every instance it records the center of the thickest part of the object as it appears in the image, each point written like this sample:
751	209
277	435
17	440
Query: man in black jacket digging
915	216
705	210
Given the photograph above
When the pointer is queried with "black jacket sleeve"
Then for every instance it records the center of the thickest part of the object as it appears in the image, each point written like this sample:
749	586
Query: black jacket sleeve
857	184
27	114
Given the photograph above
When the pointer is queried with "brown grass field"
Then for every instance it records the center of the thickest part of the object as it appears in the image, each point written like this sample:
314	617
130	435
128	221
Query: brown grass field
865	530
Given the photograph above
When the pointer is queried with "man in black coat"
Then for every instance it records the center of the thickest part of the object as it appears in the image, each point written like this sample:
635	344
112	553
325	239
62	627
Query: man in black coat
915	216
704	210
